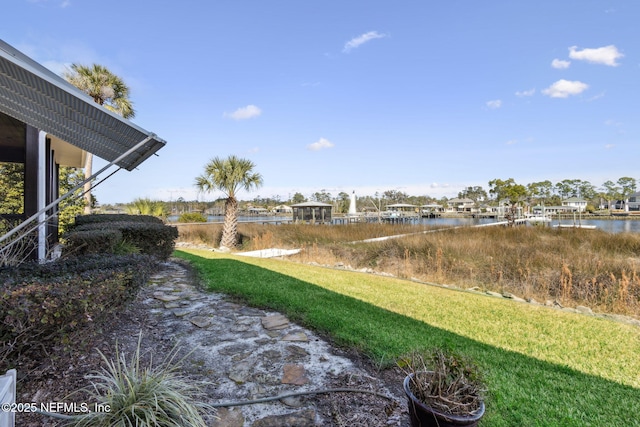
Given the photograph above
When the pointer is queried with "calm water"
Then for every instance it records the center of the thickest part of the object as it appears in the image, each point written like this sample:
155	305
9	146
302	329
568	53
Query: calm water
611	226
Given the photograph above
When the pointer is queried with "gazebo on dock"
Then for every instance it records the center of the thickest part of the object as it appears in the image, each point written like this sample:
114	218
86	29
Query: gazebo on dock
312	212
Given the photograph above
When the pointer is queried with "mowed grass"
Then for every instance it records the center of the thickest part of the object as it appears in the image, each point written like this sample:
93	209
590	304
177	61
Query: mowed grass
544	367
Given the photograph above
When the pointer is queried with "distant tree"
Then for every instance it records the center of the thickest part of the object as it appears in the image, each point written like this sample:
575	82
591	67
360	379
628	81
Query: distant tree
322	196
566	188
508	191
575	188
106	89
342	202
298	198
11	188
229	176
145	206
611	192
475	193
628	187
586	190
74	205
394	196
541	191
419	200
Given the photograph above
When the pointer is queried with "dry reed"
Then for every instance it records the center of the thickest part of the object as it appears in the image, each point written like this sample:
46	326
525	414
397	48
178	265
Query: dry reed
576	267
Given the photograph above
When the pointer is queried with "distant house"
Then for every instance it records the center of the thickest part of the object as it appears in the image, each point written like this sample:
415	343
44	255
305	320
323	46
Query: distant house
576	203
634	201
46	123
257	211
462	205
312	212
431	209
552	210
282	209
401	210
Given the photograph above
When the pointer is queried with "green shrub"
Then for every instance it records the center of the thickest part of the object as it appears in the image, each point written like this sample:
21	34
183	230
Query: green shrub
64	301
152	239
93	241
124	248
149	237
192	217
106	218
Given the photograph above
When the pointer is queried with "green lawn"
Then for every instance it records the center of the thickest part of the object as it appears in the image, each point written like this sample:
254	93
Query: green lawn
544	367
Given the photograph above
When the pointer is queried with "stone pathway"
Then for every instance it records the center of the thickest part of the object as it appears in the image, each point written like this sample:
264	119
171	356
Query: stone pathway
247	353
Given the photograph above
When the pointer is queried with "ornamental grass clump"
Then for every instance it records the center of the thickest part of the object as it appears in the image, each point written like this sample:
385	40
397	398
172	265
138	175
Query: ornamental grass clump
445	381
130	394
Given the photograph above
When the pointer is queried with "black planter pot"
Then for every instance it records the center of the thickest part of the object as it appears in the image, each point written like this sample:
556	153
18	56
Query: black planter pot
422	415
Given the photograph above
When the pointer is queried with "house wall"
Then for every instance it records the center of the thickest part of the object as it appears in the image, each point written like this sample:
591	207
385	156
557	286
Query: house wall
29	153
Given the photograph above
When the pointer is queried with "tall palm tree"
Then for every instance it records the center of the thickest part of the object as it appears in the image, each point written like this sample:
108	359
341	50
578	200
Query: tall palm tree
229	175
106	89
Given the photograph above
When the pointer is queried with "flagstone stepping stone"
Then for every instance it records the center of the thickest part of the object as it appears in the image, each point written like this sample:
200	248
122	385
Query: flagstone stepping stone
294	374
293	402
274	322
240	372
172	304
166	298
229	418
233	349
248	311
180	312
305	418
201	321
296	336
296	352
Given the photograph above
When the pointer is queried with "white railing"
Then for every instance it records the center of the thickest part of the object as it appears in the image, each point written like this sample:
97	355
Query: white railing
8	395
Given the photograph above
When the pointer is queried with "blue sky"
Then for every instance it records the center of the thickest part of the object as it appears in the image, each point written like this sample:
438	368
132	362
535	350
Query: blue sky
424	97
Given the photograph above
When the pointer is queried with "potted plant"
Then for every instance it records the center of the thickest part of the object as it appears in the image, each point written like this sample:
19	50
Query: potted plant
444	389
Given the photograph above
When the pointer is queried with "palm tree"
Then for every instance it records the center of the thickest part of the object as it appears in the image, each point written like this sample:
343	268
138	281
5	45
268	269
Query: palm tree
106	89
147	206
229	175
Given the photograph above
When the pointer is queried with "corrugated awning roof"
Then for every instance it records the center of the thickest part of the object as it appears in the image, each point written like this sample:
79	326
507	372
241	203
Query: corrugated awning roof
33	94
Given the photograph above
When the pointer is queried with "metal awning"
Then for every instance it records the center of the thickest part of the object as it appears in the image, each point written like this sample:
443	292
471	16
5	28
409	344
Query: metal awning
35	95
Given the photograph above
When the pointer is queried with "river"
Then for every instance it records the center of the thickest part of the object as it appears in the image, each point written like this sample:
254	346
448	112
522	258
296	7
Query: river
609	225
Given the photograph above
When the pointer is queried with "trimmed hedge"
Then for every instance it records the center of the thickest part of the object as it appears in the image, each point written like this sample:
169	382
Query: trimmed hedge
106	218
65	301
94	234
94	241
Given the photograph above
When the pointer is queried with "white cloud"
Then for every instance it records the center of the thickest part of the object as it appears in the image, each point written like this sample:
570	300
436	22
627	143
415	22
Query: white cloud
362	39
606	55
609	146
565	88
320	144
560	64
512	141
529	92
244	113
495	104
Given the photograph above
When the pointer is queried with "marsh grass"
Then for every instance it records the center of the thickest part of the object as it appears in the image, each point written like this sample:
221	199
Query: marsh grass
572	267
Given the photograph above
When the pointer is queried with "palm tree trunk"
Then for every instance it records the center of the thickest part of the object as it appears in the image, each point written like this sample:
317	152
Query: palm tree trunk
230	226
